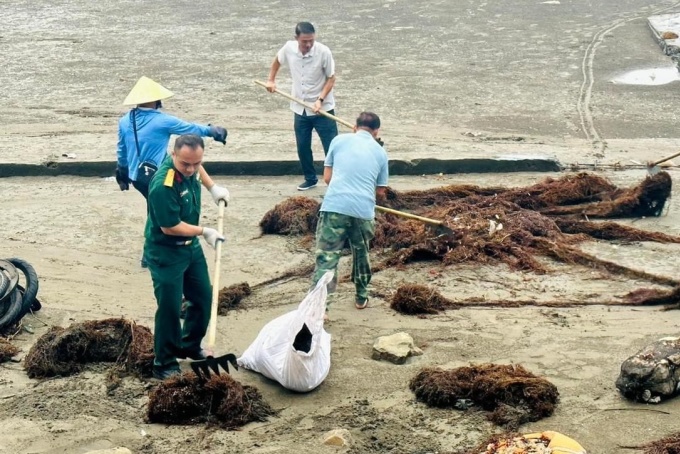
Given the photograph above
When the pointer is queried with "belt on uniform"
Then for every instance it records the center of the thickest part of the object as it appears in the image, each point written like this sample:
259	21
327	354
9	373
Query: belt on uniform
180	243
183	243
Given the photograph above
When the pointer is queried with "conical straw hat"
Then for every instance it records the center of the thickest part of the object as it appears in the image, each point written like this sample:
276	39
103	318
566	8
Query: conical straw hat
146	90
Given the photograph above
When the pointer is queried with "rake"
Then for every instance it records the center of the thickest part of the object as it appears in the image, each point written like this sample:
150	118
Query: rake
204	367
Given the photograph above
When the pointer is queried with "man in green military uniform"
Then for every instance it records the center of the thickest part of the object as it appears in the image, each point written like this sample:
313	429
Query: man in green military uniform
175	257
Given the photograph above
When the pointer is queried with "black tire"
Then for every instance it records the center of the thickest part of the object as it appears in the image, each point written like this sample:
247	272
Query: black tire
12	314
12	274
35	306
4	283
31	290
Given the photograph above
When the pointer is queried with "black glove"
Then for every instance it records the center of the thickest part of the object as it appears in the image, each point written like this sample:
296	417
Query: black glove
122	178
219	134
380	141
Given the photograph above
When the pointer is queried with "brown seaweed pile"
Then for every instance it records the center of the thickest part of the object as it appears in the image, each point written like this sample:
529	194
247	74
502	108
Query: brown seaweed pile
666	445
221	401
654	297
64	351
511	394
7	350
230	297
294	216
582	194
513	226
418	299
414	299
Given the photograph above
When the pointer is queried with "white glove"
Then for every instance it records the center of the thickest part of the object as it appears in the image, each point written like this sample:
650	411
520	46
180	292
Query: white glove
212	236
219	193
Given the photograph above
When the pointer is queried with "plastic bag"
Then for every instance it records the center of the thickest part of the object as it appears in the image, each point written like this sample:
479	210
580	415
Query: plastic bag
294	349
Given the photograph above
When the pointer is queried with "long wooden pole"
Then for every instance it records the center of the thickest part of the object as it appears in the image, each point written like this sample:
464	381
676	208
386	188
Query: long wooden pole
212	329
308	106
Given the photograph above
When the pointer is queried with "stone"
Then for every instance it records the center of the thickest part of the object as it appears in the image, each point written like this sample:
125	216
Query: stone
338	437
118	450
653	373
395	348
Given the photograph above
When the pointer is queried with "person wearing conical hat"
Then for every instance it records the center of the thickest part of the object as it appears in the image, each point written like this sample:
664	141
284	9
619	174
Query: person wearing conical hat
152	129
143	136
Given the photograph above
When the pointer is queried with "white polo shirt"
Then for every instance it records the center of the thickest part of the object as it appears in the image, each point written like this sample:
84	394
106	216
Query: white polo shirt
309	73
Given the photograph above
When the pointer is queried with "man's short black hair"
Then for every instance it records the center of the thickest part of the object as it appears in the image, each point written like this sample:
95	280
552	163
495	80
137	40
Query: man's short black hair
304	28
368	120
189	140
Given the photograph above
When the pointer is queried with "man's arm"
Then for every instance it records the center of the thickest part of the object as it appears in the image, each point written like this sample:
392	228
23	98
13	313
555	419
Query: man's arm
211	236
380	194
177	126
122	150
216	191
327	174
328	86
207	182
183	229
271	80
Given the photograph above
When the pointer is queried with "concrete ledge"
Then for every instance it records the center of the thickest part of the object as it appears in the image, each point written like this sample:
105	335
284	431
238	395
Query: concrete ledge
280	168
666	31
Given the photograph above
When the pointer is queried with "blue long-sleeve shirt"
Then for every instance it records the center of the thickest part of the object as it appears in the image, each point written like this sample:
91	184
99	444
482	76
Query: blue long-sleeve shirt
154	129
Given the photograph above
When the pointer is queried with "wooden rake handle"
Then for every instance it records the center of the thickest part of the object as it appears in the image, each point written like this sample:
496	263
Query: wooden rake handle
308	106
212	328
653	164
408	215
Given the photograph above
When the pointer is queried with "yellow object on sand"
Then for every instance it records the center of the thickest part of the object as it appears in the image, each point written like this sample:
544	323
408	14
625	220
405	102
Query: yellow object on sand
146	90
559	443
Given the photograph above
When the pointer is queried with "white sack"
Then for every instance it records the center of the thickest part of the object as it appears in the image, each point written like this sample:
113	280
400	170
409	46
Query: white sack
274	355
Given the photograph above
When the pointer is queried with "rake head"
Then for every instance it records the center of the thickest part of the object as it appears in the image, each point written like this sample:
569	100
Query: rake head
203	367
442	231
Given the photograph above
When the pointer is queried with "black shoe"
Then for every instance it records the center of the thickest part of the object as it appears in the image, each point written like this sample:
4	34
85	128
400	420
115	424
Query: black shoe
306	185
160	373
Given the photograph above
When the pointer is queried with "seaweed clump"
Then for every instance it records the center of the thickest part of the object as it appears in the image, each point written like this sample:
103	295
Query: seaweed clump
230	297
414	299
221	401
294	216
511	394
64	351
7	350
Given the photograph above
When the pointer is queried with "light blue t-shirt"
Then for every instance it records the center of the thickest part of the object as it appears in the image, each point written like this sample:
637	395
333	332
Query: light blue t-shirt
359	165
154	129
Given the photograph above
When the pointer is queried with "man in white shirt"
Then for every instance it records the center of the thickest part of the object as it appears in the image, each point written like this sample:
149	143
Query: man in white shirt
313	72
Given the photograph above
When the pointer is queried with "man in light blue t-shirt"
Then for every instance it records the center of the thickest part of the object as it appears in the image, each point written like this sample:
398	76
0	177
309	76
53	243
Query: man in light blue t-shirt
356	170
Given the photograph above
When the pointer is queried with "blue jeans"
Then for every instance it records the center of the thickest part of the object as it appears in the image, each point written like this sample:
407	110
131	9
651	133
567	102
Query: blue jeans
326	128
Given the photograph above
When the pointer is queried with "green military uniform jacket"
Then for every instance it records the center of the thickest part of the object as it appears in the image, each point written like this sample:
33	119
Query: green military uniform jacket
173	198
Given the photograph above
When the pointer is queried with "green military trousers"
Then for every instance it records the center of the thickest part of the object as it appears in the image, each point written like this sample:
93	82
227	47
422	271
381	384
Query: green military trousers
331	232
178	271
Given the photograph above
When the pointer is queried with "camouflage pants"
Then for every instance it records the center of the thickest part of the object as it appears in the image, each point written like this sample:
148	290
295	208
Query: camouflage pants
332	231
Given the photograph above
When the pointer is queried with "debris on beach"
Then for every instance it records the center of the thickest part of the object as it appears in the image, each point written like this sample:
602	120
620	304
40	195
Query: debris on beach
64	351
230	298
548	442
651	375
294	216
511	394
413	299
222	401
7	350
666	445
